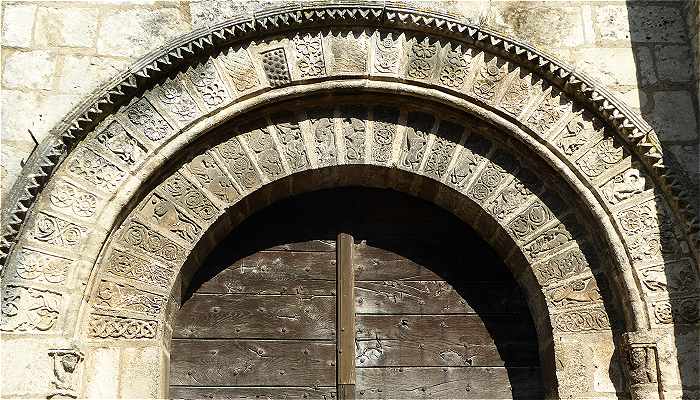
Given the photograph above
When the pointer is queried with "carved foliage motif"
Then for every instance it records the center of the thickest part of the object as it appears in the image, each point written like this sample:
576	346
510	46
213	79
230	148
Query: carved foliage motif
117	140
145	117
624	186
594	319
260	142
455	68
353	130
241	70
37	266
289	134
648	231
105	327
26	309
385	120
415	139
163	214
185	194
443	148
173	94
153	243
547	113
386	57
489	78
561	266
66	373
517	95
421	58
95	169
275	66
57	231
578	292
124	297
601	157
69	198
212	178
492	175
324	137
126	265
206	81
475	150
349	54
532	218
309	55
576	134
238	163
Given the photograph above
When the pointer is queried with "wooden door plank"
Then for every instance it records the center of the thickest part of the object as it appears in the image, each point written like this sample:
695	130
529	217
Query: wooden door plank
248	393
448	383
434	297
277	272
252	362
259	317
447	340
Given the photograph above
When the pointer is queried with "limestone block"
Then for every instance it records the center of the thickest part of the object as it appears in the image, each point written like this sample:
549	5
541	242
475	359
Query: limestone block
70	27
82	74
209	12
546	25
688	156
633	97
101	377
29	69
30	371
141	372
674	63
132	33
640	23
612	66
673	116
18	32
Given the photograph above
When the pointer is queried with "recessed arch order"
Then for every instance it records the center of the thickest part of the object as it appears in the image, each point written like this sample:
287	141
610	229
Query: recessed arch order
119	204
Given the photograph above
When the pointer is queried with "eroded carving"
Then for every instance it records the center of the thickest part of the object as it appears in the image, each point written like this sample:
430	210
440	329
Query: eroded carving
119	296
260	142
26	309
163	214
623	186
349	54
577	133
173	94
386	54
145	117
594	319
95	169
289	134
547	113
67	365
678	277
38	266
70	198
241	70
185	194
415	139
489	78
117	140
421	59
600	158
475	151
513	196
153	243
648	231
324	137
206	81
353	129
517	95
566	264
212	178
238	163
127	265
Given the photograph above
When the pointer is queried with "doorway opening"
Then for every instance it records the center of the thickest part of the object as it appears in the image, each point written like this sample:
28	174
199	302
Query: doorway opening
354	293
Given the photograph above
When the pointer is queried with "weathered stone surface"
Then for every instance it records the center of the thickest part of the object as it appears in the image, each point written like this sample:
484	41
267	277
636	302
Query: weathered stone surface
82	74
640	23
17	24
674	63
101	377
669	122
613	66
29	69
30	371
133	32
542	24
70	27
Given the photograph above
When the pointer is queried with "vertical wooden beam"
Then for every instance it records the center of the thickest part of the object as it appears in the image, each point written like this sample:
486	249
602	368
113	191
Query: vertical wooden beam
345	318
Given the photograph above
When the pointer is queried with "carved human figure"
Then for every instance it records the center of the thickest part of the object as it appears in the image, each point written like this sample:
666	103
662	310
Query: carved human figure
66	365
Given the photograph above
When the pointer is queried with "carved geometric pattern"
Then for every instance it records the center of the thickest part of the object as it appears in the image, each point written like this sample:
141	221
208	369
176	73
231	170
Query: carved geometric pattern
386	58
120	296
125	264
57	231
38	266
185	194
385	120
95	169
422	58
148	120
153	243
175	99
238	163
70	198
207	82
107	326
275	66
309	55
241	70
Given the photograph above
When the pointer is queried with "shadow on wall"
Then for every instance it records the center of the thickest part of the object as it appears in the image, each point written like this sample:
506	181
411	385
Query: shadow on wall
660	43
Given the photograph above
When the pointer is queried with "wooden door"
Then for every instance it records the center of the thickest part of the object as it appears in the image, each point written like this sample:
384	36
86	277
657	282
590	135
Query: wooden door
434	313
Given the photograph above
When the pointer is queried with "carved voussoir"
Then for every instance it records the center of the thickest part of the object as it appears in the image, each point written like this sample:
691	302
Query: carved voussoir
29	310
143	238
118	327
128	298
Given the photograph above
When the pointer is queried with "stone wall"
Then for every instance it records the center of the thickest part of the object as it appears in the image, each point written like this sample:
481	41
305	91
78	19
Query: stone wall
55	53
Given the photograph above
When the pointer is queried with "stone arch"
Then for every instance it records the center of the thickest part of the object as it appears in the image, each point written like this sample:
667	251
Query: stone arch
81	189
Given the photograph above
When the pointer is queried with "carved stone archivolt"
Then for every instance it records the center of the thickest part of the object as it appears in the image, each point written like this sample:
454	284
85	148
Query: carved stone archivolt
100	214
